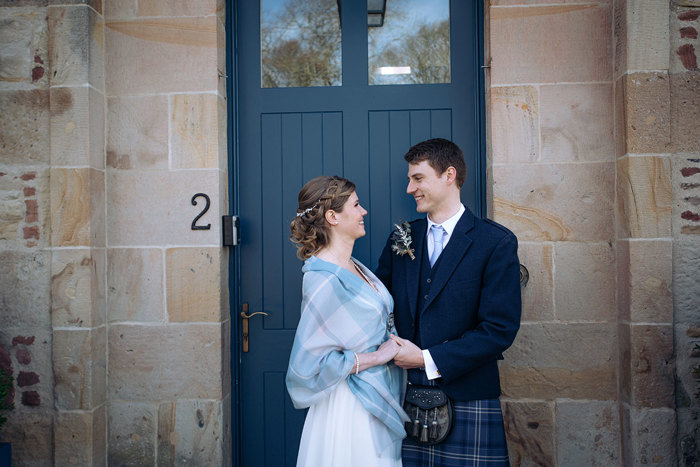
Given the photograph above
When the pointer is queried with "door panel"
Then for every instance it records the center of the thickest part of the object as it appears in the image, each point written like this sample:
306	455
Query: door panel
285	137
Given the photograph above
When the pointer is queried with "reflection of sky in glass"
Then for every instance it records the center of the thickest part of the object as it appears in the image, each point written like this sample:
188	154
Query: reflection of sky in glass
403	19
300	43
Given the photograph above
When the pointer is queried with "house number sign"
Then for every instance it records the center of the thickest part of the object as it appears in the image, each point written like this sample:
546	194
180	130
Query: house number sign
204	211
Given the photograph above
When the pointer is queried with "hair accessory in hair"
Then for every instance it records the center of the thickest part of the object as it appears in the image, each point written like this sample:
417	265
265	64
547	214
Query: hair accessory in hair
307	210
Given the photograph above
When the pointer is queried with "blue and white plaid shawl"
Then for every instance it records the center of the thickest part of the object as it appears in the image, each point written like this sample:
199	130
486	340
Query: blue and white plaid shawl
342	314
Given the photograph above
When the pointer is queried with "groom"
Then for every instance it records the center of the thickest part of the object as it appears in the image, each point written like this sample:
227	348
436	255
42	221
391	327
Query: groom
457	307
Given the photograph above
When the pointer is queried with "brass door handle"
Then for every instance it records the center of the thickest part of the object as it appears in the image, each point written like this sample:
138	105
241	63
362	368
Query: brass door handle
245	316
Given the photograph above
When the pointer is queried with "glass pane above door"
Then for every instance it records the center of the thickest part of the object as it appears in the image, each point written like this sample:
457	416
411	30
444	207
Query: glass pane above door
300	43
408	41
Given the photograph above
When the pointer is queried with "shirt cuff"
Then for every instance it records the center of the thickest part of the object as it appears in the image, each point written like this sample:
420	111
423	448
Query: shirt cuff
431	370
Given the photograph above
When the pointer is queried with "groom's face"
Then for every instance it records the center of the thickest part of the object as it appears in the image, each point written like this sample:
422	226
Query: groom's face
427	187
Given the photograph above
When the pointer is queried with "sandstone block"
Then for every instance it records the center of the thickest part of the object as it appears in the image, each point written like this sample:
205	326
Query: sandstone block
138	132
585	281
515	124
121	9
24	127
686	287
644	196
163	220
569	202
23	35
650	279
683	41
165	362
79	366
95	4
647	112
552	360
647	35
551	43
651	366
577	122
620	38
25	279
12	211
686	337
194	127
135	284
190	432
650	436
588	433
161	55
77	207
620	130
76	46
176	8
193	284
538	294
132	433
31	433
77	127
685	111
80	437
77	288
530	432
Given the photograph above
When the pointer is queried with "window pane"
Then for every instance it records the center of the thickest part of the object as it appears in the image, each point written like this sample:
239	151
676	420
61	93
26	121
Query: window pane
410	43
300	43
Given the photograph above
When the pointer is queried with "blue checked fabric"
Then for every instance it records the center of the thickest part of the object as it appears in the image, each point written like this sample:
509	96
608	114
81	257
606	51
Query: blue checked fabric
477	439
342	314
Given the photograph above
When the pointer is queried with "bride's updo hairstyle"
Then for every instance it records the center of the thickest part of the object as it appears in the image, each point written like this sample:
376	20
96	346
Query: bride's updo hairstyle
310	231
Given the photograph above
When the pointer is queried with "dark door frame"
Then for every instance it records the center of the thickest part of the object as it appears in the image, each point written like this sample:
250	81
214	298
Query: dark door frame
233	154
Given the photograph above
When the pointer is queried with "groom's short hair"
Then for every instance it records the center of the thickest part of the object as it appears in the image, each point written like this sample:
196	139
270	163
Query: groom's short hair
440	154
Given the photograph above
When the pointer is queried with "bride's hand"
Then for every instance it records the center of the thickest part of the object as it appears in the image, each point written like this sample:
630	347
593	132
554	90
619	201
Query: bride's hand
387	351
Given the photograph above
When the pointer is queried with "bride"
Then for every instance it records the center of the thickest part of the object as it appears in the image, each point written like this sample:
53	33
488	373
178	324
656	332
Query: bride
339	365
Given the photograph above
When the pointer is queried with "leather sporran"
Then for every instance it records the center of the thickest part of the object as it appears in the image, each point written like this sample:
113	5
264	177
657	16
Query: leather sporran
431	412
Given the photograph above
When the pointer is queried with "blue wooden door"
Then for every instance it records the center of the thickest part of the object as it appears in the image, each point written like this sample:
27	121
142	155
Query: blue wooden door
290	133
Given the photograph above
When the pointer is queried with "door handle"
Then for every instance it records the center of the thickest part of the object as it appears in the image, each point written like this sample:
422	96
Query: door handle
245	316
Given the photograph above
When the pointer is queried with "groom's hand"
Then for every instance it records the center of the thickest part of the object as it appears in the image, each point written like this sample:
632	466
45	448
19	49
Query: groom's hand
409	356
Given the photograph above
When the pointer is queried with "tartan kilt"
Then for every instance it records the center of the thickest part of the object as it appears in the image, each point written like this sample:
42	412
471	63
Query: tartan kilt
477	438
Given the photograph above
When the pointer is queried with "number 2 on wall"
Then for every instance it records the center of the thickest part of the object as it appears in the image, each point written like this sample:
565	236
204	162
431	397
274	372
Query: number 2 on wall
204	211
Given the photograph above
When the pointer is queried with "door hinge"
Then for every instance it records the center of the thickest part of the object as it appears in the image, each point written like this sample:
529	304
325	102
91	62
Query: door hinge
231	230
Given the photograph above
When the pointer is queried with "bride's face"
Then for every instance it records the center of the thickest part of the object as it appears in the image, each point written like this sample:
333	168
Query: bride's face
350	221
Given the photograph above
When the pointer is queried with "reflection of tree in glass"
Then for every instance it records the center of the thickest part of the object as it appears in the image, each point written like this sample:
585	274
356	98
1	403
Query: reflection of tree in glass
300	46
427	52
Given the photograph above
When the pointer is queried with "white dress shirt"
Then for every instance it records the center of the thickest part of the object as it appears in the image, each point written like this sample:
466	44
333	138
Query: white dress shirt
431	370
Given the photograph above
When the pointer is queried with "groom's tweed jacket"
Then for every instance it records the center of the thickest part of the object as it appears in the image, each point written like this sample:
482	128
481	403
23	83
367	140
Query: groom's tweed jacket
471	312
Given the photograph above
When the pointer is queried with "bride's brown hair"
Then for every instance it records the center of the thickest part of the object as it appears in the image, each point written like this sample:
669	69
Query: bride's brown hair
310	232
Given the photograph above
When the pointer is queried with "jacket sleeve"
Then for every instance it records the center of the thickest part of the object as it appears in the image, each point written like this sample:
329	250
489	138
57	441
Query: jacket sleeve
498	316
383	271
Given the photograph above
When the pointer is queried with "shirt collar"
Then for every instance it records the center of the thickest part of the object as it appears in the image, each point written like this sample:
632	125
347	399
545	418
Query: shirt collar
450	224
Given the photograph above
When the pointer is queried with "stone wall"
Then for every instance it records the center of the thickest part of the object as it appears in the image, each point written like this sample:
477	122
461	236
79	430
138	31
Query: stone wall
25	244
553	178
684	110
167	285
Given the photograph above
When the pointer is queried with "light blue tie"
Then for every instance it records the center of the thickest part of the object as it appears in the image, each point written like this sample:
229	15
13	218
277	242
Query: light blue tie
438	233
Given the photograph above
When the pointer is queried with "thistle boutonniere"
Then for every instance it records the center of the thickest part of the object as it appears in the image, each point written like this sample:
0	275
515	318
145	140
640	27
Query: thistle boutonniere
401	236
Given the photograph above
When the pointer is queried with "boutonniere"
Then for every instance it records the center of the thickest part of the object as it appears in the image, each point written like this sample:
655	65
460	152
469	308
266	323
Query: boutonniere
401	236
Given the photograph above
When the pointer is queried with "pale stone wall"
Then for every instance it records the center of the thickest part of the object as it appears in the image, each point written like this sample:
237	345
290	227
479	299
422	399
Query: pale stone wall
25	244
684	90
553	170
167	285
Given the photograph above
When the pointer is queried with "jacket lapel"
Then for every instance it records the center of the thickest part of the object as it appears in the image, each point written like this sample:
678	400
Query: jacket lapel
418	231
452	255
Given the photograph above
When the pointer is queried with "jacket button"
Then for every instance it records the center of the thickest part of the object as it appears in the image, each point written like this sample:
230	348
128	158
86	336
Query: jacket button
425	297
429	280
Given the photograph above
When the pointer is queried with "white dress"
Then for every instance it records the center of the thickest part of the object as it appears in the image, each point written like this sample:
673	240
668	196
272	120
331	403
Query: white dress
337	434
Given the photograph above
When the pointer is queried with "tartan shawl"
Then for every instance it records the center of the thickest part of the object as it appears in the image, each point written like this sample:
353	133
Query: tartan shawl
342	314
